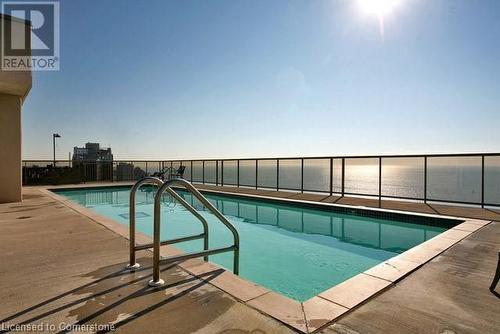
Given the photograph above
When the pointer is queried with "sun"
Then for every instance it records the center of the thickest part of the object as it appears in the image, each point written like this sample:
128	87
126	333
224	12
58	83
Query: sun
378	7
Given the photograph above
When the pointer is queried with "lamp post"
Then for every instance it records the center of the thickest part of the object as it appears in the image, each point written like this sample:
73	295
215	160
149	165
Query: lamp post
54	136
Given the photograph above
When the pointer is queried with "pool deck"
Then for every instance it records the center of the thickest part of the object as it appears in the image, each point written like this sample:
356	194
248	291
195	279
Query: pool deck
61	266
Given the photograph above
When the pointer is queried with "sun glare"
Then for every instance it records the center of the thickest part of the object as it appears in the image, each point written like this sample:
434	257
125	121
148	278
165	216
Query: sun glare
378	7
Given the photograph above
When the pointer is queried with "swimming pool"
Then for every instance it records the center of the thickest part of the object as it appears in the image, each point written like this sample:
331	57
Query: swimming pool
292	249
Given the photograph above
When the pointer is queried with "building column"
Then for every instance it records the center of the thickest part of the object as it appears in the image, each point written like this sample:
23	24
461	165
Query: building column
14	88
10	148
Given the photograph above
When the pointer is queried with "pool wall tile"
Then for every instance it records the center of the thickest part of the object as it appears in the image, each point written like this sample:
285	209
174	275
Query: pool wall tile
361	211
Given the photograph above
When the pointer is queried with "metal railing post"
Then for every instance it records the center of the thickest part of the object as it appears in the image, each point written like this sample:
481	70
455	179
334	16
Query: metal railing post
482	181
24	174
216	172
191	171
343	177
380	182
277	174
256	173
331	177
203	171
302	175
222	173
238	173
425	179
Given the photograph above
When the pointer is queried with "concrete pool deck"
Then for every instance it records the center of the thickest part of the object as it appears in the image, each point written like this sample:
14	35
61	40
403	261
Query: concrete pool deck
61	267
91	288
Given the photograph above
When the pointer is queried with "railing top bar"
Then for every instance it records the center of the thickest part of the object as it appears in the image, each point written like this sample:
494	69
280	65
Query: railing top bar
451	155
93	161
444	155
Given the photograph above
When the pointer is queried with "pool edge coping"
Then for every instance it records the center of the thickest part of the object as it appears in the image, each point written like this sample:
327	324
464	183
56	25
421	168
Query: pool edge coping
327	306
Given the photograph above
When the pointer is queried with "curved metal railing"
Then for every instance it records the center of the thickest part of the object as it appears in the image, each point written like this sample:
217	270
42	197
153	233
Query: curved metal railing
134	248
235	248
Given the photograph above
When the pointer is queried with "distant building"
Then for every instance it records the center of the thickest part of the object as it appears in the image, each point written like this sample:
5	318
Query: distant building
96	162
92	152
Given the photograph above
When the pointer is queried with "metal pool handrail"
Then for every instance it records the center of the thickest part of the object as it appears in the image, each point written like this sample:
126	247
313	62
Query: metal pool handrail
156	281
133	248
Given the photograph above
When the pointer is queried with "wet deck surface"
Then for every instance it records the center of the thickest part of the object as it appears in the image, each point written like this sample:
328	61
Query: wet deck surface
59	266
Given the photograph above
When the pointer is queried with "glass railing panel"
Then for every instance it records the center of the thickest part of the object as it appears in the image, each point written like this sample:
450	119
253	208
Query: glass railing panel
361	176
290	174
187	171
230	172
210	171
104	170
197	171
175	165
63	163
43	172
267	174
454	179
247	173
492	180
122	170
38	163
153	168
139	169
317	175
219	171
403	177
337	176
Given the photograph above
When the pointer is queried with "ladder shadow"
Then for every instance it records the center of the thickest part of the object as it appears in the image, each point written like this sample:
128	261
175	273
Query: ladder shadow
203	279
70	292
92	288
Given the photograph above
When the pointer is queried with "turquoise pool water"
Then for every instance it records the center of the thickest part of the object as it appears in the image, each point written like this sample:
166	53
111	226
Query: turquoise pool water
298	252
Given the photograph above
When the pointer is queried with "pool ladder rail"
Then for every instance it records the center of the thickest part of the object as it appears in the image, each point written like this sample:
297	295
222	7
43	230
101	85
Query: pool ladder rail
157	259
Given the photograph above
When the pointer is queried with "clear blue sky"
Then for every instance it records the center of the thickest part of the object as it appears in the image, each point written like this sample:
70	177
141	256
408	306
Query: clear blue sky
195	79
